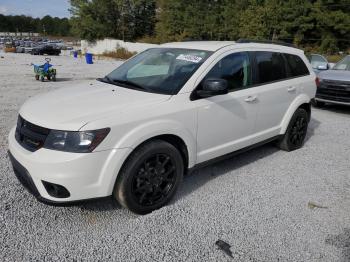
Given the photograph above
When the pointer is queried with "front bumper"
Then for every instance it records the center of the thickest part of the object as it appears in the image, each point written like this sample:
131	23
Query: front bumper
85	176
336	92
332	101
24	177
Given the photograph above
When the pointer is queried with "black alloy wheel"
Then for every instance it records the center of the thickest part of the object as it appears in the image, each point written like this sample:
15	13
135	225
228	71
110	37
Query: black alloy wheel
153	180
149	177
298	131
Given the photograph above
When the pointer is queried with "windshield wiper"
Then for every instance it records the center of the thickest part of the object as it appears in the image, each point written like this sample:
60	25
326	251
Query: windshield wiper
123	83
106	79
129	84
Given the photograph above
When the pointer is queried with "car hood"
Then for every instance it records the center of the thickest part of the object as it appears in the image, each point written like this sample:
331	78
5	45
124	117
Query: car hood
335	75
72	108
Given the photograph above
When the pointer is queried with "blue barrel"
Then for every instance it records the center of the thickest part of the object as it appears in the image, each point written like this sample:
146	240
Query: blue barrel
75	54
88	58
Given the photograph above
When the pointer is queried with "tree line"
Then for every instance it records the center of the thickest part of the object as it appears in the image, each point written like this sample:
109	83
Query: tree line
47	25
324	24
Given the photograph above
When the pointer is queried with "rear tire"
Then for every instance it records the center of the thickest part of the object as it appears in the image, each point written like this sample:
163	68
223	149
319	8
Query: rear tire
317	104
296	132
150	177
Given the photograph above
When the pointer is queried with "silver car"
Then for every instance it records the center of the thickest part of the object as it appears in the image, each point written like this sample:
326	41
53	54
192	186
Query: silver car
334	85
319	63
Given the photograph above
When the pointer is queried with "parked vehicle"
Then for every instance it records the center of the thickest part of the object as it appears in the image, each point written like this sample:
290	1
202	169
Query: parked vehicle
333	86
46	50
168	110
28	43
28	46
319	63
20	49
9	48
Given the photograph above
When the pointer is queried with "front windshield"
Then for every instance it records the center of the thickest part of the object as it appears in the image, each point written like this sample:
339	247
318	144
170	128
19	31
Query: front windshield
317	60
343	64
158	70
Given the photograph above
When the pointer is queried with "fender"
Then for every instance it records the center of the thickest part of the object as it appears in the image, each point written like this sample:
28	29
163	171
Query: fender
148	130
136	136
298	101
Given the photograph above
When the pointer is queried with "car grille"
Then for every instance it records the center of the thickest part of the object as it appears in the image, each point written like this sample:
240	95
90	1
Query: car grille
30	136
334	91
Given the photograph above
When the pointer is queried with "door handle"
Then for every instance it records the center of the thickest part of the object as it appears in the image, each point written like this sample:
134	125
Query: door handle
250	99
291	89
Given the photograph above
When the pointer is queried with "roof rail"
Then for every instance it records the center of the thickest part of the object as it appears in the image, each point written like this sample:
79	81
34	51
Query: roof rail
243	41
189	39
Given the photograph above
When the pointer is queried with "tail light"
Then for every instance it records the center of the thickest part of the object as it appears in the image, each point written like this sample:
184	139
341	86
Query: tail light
317	81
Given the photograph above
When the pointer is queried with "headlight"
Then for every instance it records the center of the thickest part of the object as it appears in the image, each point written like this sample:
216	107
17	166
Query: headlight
75	141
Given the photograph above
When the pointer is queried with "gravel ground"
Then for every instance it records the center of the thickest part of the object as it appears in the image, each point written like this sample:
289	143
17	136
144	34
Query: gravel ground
263	202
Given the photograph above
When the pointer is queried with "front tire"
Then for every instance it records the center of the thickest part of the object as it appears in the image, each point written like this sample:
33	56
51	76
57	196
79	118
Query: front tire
296	132
150	177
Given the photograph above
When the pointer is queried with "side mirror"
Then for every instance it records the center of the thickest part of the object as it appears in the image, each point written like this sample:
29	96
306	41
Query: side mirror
213	87
323	67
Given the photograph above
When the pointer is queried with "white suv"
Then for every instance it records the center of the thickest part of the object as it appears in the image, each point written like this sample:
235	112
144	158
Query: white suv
134	133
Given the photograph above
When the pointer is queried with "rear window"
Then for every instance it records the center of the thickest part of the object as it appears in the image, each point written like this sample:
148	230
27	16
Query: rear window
270	67
296	66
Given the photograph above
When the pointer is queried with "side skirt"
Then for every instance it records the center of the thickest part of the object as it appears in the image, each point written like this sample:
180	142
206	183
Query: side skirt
232	154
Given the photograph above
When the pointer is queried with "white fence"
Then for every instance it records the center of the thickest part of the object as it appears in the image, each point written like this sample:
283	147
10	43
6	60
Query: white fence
109	45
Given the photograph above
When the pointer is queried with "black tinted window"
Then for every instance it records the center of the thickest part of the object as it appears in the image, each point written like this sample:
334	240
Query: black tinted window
296	65
234	68
270	66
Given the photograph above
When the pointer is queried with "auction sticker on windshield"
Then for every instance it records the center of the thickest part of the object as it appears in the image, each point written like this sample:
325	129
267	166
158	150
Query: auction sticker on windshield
190	58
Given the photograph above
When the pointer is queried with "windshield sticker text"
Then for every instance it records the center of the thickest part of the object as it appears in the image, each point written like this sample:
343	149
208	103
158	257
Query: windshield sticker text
190	58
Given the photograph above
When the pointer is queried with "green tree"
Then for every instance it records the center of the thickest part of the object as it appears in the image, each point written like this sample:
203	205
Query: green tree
324	24
123	19
48	25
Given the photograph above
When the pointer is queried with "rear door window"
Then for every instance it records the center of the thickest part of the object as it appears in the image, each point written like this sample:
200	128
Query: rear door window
296	66
270	67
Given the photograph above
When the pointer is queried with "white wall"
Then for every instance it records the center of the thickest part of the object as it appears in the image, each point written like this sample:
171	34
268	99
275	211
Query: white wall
109	45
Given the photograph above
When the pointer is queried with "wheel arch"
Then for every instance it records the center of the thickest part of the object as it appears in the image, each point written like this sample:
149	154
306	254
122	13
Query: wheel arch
172	139
302	101
170	131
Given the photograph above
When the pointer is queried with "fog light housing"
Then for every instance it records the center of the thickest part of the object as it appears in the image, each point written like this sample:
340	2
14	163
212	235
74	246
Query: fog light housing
55	190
